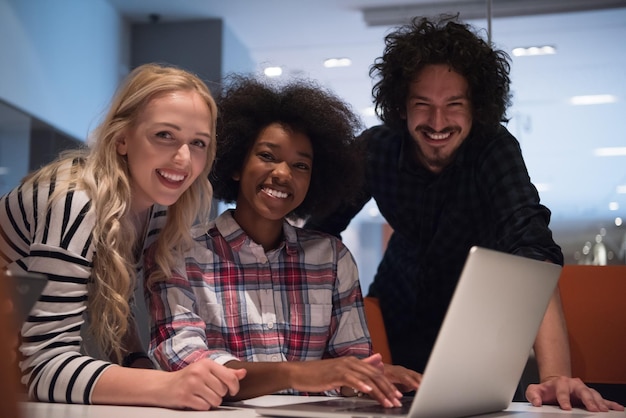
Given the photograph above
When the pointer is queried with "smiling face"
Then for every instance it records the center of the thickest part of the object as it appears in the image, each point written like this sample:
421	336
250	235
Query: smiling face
438	115
166	148
274	177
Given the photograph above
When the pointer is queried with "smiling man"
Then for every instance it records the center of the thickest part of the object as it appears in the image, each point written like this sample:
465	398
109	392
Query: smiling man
447	175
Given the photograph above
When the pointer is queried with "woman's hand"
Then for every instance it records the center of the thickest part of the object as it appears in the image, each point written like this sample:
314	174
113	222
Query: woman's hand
366	376
201	385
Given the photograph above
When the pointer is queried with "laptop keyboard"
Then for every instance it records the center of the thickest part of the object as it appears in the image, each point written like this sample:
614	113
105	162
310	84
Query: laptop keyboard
379	409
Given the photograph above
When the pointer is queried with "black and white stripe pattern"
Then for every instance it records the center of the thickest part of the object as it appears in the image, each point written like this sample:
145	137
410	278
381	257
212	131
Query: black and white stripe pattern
55	240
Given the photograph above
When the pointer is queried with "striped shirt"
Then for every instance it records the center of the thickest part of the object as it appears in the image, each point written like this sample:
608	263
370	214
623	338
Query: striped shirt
234	301
56	241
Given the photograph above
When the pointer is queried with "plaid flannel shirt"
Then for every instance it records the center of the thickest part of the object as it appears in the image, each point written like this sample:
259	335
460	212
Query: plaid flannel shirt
233	301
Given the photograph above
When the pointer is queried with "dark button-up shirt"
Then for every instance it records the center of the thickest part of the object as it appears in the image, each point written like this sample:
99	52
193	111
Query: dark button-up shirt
484	197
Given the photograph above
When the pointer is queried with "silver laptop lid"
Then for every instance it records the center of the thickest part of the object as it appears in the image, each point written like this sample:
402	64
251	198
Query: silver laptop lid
482	346
26	288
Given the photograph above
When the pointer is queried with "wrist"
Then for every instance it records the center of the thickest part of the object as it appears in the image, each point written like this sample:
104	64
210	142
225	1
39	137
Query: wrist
137	359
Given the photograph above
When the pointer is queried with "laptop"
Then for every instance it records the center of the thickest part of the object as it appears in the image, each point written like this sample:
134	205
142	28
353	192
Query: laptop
481	349
26	288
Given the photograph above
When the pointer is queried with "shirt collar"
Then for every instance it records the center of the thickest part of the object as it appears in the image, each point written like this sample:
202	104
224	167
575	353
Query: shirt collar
237	238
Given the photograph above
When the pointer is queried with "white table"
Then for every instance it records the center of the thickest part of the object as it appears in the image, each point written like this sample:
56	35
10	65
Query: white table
49	410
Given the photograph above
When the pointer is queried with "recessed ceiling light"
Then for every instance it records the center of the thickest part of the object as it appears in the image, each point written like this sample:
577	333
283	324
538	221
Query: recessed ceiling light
534	50
621	189
618	221
593	99
337	62
613	206
273	71
373	212
610	152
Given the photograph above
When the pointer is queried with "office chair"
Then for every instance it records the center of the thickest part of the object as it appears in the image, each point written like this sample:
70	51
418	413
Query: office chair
594	304
376	327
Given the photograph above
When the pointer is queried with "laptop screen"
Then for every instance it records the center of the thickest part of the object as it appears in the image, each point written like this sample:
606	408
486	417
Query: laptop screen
25	287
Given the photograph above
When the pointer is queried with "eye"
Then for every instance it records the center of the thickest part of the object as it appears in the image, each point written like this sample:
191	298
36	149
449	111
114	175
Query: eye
199	143
265	156
164	135
302	166
458	103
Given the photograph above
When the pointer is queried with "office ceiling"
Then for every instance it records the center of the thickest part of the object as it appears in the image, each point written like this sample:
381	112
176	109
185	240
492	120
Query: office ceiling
558	139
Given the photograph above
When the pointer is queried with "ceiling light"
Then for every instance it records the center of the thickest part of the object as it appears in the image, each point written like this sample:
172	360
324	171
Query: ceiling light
593	99
337	62
373	212
534	50
273	71
618	221
613	206
621	189
610	152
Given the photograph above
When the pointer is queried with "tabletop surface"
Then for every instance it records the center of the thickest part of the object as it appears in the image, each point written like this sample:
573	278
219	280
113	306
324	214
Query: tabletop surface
50	410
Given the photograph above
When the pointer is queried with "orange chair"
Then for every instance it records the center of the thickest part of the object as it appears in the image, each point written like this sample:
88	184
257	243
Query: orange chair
376	327
594	304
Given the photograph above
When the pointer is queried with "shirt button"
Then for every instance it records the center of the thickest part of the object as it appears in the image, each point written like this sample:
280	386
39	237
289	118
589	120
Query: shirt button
274	358
270	325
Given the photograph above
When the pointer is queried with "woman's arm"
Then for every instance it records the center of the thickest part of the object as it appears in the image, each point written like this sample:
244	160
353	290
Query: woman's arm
317	376
200	386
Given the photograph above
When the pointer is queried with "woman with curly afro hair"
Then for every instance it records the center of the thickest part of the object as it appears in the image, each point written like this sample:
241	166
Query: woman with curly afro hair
249	106
257	292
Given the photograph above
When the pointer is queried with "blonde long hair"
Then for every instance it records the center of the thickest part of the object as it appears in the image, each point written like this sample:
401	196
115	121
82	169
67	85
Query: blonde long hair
104	175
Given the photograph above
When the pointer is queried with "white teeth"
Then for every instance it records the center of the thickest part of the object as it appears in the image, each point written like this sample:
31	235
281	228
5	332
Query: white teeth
275	193
438	136
170	176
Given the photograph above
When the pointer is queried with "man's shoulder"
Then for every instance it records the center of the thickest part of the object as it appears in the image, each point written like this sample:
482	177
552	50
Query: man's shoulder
496	136
381	142
496	144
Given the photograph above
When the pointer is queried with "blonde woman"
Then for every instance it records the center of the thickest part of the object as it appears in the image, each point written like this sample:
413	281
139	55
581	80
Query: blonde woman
85	219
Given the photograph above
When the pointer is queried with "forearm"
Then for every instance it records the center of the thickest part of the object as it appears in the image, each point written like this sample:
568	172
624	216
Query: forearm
552	345
130	386
262	378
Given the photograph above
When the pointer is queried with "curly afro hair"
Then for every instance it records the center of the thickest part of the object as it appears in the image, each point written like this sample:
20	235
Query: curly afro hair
248	105
446	41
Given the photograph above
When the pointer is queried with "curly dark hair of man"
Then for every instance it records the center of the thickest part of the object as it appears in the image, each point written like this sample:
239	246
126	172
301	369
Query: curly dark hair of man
424	42
248	105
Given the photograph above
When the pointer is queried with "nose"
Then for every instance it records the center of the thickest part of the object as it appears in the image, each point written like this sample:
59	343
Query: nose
183	154
437	118
282	171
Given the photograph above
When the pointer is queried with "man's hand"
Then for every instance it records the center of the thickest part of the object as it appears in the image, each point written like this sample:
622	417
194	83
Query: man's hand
567	391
